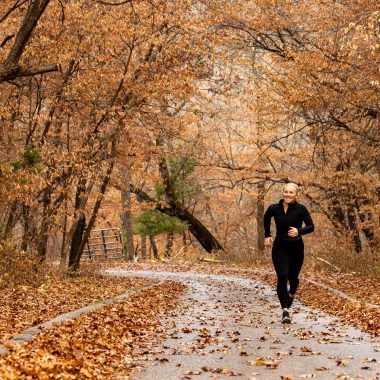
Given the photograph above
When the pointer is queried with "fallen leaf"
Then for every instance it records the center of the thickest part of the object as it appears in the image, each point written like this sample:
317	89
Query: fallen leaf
322	369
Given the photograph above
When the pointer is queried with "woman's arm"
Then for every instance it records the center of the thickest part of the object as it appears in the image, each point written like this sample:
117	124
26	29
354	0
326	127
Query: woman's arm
309	225
267	219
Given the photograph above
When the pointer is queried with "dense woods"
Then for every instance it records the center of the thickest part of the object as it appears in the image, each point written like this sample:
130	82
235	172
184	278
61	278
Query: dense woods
197	110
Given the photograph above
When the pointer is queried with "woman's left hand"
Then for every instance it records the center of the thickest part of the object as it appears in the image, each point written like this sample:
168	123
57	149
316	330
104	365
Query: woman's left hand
293	232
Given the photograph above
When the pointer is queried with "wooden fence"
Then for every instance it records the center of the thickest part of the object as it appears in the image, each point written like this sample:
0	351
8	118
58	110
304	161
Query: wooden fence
104	243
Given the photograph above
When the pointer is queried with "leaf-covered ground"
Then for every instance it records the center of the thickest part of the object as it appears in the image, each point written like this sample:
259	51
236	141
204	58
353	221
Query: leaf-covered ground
359	287
26	306
98	345
109	342
354	313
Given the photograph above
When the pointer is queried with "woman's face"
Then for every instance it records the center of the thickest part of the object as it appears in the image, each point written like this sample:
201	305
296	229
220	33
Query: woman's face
290	194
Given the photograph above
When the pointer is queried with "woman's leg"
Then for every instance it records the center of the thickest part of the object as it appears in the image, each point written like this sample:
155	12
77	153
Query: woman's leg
295	264
281	265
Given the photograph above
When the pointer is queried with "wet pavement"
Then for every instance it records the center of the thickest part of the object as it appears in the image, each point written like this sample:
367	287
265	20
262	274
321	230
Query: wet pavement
230	327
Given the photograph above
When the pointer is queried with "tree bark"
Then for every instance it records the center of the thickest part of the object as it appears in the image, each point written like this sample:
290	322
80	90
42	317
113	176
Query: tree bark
81	197
143	247
169	245
154	247
353	228
127	215
205	238
26	222
44	227
260	217
64	229
77	238
9	218
4	220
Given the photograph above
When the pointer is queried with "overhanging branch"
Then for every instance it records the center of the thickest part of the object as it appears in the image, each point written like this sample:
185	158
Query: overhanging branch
113	2
38	70
9	72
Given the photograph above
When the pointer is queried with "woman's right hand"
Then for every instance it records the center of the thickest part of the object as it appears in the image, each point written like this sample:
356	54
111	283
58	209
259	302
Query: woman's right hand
268	242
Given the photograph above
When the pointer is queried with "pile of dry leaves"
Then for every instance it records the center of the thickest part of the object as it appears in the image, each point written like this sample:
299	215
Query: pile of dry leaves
98	345
24	306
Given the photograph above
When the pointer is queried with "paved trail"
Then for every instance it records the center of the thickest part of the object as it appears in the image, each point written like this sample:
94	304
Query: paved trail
230	327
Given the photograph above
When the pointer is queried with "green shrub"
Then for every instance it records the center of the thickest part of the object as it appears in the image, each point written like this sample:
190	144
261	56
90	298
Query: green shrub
153	223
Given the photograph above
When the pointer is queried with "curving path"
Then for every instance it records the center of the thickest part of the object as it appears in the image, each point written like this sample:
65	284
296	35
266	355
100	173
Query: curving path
229	327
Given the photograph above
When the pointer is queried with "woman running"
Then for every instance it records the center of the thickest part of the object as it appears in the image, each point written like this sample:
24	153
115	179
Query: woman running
288	248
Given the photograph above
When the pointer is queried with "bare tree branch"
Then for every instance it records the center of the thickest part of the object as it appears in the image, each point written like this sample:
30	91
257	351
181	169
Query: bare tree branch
113	3
38	70
11	9
10	69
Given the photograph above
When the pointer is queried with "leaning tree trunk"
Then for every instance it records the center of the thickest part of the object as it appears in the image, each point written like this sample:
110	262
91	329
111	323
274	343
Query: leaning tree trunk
196	227
205	238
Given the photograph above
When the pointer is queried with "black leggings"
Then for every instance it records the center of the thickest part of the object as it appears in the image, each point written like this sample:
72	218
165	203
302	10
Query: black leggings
287	257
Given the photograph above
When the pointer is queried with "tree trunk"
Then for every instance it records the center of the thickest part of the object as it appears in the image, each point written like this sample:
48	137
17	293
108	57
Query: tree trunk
154	247
127	215
12	218
260	217
196	227
43	240
81	197
205	238
64	229
353	229
77	238
7	218
143	247
26	226
338	212
169	245
45	223
106	179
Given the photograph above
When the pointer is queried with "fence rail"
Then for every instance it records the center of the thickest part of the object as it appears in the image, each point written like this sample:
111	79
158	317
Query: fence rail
110	246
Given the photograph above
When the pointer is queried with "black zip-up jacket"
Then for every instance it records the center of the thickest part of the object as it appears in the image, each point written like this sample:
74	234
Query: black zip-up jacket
295	215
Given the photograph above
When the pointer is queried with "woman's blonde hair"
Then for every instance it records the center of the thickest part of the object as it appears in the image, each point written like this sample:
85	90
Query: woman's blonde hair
291	184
